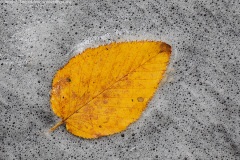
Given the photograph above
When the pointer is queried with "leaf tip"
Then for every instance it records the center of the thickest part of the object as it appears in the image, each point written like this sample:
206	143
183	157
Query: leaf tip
165	47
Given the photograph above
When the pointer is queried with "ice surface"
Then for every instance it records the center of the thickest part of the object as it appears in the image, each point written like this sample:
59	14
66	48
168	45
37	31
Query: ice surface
195	113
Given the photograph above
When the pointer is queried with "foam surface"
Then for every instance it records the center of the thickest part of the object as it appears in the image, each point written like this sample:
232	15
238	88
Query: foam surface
195	113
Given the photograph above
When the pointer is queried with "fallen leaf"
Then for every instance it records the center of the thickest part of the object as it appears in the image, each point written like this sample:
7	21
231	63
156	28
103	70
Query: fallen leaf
103	90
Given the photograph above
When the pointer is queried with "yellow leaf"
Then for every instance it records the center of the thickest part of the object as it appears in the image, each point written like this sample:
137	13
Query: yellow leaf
103	90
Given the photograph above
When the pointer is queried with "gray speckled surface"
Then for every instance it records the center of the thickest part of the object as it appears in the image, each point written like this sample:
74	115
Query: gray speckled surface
194	115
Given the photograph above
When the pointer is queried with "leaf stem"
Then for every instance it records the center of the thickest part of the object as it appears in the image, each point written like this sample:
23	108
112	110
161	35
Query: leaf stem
56	126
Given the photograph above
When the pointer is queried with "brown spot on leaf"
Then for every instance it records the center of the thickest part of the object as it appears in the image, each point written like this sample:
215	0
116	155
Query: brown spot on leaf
140	99
105	101
68	79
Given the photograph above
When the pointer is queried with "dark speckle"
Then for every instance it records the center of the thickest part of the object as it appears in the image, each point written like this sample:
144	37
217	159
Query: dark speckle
68	79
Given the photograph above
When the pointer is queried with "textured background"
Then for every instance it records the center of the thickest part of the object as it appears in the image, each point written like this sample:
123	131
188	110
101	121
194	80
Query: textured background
194	115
